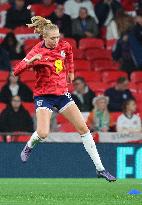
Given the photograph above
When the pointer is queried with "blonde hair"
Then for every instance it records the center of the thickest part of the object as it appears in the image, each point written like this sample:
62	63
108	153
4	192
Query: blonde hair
43	25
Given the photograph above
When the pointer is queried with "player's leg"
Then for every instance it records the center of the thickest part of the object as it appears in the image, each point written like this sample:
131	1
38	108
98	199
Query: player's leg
73	114
43	126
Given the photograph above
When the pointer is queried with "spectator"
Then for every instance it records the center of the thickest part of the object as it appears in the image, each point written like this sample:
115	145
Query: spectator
62	20
106	10
119	25
13	47
72	8
84	25
15	87
128	121
138	28
17	15
118	94
83	95
15	117
99	118
44	9
4	60
122	52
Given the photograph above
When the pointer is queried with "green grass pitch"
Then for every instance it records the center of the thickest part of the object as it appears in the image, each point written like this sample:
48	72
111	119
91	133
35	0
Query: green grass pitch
68	192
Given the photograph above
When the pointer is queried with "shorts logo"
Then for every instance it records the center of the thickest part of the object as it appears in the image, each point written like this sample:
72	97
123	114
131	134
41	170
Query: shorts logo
39	102
68	95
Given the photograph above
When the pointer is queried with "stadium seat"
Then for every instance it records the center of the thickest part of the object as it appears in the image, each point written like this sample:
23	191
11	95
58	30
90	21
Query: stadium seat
41	10
22	138
4	75
30	84
114	116
82	65
71	41
67	127
14	62
2	106
3	33
78	54
97	54
23	33
27	76
87	43
133	87
2	83
105	65
61	119
89	76
98	87
110	43
113	76
29	107
28	44
136	77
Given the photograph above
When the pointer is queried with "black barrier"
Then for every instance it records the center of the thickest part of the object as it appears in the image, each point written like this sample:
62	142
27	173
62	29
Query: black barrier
70	160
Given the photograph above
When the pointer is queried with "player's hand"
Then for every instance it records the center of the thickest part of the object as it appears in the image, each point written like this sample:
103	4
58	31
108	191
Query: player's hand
70	77
34	58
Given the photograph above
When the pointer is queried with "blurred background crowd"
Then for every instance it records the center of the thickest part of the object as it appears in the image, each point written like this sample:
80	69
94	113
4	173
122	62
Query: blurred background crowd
106	36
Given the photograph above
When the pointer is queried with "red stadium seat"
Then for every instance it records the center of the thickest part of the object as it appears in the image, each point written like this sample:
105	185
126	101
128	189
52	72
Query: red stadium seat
136	77
89	76
29	107
78	54
110	44
30	84
105	65
4	75
97	54
23	33
98	87
2	83
133	87
2	106
23	139
29	44
113	76
82	65
42	10
61	119
3	33
114	116
67	127
27	76
71	41
87	43
14	62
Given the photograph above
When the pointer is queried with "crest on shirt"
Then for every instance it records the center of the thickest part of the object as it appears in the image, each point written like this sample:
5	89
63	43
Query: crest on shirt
63	54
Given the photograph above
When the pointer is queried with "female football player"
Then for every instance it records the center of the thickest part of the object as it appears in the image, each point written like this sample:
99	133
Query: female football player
52	62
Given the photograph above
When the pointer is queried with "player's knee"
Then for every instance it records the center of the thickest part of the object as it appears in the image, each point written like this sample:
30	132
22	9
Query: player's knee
42	134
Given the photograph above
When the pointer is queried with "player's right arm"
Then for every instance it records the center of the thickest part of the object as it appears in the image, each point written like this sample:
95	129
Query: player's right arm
27	62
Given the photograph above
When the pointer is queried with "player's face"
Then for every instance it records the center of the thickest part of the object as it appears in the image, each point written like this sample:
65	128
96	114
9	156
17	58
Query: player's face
52	40
132	106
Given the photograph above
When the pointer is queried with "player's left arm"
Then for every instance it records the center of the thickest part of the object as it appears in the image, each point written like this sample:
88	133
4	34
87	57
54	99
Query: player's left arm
69	63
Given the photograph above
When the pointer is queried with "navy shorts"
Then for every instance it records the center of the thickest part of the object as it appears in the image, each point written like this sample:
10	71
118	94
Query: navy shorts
51	102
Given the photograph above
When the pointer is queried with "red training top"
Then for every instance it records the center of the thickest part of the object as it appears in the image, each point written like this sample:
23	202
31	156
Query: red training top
51	71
